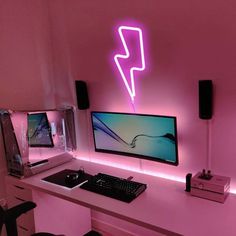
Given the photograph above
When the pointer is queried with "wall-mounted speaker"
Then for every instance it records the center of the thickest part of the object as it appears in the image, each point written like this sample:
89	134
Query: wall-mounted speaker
82	95
205	99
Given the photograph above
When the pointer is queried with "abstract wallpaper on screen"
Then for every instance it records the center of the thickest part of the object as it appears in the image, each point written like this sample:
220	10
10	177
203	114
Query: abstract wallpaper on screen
39	133
153	137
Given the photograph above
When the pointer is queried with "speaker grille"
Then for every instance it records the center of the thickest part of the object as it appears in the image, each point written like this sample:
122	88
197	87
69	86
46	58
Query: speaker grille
205	99
82	95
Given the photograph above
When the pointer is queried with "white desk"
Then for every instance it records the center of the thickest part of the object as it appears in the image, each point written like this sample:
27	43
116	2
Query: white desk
164	206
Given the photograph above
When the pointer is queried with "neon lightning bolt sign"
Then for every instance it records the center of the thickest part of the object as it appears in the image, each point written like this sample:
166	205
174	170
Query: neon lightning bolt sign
129	69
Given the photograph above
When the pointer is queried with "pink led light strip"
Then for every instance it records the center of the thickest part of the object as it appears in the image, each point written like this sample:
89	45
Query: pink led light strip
131	90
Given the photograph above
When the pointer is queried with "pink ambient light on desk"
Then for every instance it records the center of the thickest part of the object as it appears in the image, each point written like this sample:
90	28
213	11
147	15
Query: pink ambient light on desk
147	172
129	168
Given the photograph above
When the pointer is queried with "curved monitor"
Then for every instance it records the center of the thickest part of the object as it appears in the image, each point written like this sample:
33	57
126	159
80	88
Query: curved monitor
151	137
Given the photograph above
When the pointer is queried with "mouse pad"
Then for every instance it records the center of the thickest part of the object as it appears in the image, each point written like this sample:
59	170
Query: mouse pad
59	178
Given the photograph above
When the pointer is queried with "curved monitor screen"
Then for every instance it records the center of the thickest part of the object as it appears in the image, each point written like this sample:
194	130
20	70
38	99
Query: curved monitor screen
39	131
150	137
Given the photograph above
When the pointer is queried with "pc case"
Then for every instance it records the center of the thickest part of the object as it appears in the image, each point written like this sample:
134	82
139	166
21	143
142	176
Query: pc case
25	160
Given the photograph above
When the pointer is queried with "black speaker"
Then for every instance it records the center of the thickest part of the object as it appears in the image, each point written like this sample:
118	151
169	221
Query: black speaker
188	182
82	95
205	99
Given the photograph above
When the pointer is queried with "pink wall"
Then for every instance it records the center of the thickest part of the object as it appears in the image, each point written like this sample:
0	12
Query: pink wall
26	73
25	58
187	42
46	45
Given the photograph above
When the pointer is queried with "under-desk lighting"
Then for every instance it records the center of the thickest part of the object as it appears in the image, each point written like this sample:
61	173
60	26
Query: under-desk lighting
147	172
130	168
233	191
165	176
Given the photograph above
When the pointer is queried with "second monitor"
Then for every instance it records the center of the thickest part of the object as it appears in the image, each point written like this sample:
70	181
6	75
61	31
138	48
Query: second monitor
39	130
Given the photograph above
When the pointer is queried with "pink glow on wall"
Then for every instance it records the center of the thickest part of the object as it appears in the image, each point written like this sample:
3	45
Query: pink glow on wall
132	59
233	191
134	168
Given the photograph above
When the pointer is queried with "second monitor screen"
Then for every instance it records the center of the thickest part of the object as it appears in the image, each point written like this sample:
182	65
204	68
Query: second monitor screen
39	131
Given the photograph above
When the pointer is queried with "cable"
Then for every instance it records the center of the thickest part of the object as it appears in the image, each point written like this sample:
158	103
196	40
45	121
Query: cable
209	145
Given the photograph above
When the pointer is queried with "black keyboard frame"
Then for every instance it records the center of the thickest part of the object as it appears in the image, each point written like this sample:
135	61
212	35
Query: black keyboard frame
111	190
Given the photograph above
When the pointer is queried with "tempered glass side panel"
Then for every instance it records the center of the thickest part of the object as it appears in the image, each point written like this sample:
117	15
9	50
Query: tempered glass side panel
32	136
12	152
70	134
57	135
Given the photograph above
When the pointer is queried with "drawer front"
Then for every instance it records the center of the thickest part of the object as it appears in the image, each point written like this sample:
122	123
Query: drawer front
14	200
24	231
19	192
26	221
16	195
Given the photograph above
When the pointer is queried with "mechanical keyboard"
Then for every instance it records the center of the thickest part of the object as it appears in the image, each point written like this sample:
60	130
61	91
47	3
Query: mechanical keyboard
114	187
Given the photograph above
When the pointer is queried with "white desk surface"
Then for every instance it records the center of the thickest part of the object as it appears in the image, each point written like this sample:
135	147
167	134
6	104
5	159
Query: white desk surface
163	207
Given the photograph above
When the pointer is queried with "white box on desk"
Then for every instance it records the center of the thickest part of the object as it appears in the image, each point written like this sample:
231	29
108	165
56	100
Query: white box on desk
216	188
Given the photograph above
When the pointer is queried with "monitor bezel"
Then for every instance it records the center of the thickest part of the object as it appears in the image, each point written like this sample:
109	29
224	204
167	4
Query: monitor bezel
139	156
47	145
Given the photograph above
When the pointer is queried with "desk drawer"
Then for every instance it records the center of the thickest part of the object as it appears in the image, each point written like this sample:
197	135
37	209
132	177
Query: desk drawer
26	221
16	195
19	192
13	200
24	231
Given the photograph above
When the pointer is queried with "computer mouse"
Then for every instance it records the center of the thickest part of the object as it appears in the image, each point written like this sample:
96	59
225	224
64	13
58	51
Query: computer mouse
72	177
